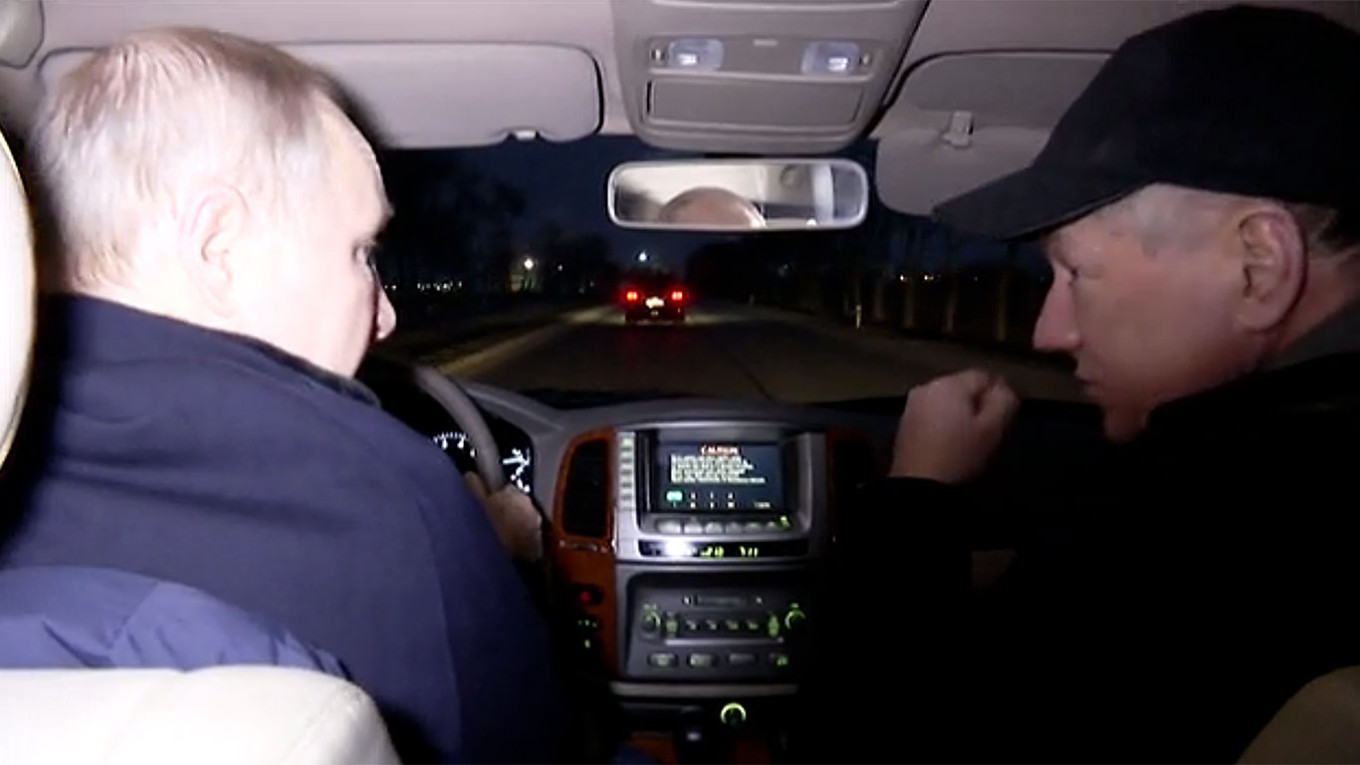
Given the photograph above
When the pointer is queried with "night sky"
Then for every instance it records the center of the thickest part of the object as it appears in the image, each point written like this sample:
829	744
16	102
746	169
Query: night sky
565	183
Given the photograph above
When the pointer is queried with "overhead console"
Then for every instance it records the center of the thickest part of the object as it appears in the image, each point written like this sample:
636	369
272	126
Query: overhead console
798	76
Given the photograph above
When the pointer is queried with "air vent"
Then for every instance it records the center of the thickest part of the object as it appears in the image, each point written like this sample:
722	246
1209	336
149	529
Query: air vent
585	498
853	463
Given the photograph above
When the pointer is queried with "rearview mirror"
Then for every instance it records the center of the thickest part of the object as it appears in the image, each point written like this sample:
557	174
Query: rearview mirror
739	195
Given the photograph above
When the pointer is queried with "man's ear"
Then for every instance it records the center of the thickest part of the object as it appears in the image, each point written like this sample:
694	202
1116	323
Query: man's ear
1274	265
211	236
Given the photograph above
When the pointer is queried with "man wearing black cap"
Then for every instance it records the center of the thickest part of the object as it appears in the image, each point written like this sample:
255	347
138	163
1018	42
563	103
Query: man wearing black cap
1200	205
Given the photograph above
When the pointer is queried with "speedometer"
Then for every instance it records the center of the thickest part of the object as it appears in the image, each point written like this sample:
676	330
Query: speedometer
518	464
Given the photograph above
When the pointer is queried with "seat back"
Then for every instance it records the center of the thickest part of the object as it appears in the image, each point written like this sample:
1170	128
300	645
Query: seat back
17	300
228	715
1319	724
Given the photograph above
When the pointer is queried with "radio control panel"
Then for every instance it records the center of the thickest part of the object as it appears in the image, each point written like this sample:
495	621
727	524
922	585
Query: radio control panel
713	635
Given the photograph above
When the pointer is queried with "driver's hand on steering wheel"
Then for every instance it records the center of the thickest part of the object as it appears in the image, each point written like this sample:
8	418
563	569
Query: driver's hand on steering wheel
517	522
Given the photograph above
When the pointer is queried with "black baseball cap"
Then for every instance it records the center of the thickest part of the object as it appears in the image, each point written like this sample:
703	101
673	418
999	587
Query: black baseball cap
1248	100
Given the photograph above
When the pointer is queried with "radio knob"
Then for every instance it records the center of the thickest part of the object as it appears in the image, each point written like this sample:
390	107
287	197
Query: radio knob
651	622
732	715
795	618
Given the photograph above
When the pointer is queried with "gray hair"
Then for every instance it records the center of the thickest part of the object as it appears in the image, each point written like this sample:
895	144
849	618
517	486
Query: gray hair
132	130
1170	217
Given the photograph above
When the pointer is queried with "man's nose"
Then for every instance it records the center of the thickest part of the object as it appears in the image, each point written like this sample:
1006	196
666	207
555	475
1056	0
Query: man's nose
386	319
1056	328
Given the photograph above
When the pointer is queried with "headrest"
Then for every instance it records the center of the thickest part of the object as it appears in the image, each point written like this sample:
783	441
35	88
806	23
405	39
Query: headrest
16	296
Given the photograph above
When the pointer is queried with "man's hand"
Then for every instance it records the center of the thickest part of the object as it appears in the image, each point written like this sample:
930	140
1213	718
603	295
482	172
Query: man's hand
517	522
952	425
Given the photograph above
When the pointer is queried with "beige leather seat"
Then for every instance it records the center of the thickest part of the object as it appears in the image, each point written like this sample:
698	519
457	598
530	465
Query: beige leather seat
1320	724
227	715
151	716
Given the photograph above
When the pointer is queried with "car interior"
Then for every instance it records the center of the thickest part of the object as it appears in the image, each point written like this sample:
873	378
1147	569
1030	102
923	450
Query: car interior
699	627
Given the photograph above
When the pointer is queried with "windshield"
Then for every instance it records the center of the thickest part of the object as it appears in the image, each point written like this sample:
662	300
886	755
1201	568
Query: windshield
505	269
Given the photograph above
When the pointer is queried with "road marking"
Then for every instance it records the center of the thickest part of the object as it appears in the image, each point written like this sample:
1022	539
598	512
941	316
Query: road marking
480	361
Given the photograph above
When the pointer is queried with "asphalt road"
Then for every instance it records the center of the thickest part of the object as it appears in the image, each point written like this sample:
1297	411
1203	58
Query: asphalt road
734	351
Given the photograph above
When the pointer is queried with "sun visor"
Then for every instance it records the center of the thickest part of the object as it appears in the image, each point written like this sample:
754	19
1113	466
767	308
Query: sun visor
964	119
21	31
919	168
427	95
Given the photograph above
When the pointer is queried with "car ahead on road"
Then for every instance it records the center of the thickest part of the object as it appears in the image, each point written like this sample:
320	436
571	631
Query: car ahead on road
687	523
654	299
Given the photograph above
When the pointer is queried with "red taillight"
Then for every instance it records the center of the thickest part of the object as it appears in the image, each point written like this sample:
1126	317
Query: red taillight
677	296
632	296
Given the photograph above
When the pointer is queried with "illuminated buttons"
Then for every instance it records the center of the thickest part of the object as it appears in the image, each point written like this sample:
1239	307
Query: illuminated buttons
780	660
589	595
732	714
741	659
662	660
703	54
669	527
702	660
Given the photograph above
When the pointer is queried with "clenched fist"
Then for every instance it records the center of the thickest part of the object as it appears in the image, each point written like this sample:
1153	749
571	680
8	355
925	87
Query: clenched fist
952	425
517	522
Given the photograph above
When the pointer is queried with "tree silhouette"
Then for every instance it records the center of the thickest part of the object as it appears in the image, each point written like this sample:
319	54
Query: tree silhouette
449	223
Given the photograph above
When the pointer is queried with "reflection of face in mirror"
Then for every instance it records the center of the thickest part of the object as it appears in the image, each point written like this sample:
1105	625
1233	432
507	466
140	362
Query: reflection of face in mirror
712	206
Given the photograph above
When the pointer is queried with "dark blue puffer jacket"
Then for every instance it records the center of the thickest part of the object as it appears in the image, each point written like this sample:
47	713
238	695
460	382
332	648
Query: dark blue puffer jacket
212	460
71	617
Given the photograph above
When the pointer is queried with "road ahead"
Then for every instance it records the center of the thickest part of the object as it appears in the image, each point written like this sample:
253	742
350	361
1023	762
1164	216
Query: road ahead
734	351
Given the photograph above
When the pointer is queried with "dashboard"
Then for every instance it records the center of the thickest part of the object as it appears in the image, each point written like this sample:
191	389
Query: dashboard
687	536
518	461
689	539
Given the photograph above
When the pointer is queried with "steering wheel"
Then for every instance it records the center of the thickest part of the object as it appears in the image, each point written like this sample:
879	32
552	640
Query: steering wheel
450	395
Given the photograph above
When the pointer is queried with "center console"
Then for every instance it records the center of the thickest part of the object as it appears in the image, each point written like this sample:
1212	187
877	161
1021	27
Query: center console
694	555
720	529
720	535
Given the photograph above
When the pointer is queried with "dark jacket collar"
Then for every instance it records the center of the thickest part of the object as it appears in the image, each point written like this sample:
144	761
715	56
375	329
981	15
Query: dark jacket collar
1325	383
80	329
1319	372
1338	334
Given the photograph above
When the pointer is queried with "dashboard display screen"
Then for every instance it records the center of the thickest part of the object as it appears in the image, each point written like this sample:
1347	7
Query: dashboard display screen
718	477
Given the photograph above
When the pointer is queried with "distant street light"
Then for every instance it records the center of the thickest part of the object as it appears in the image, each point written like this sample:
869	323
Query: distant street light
642	257
528	264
